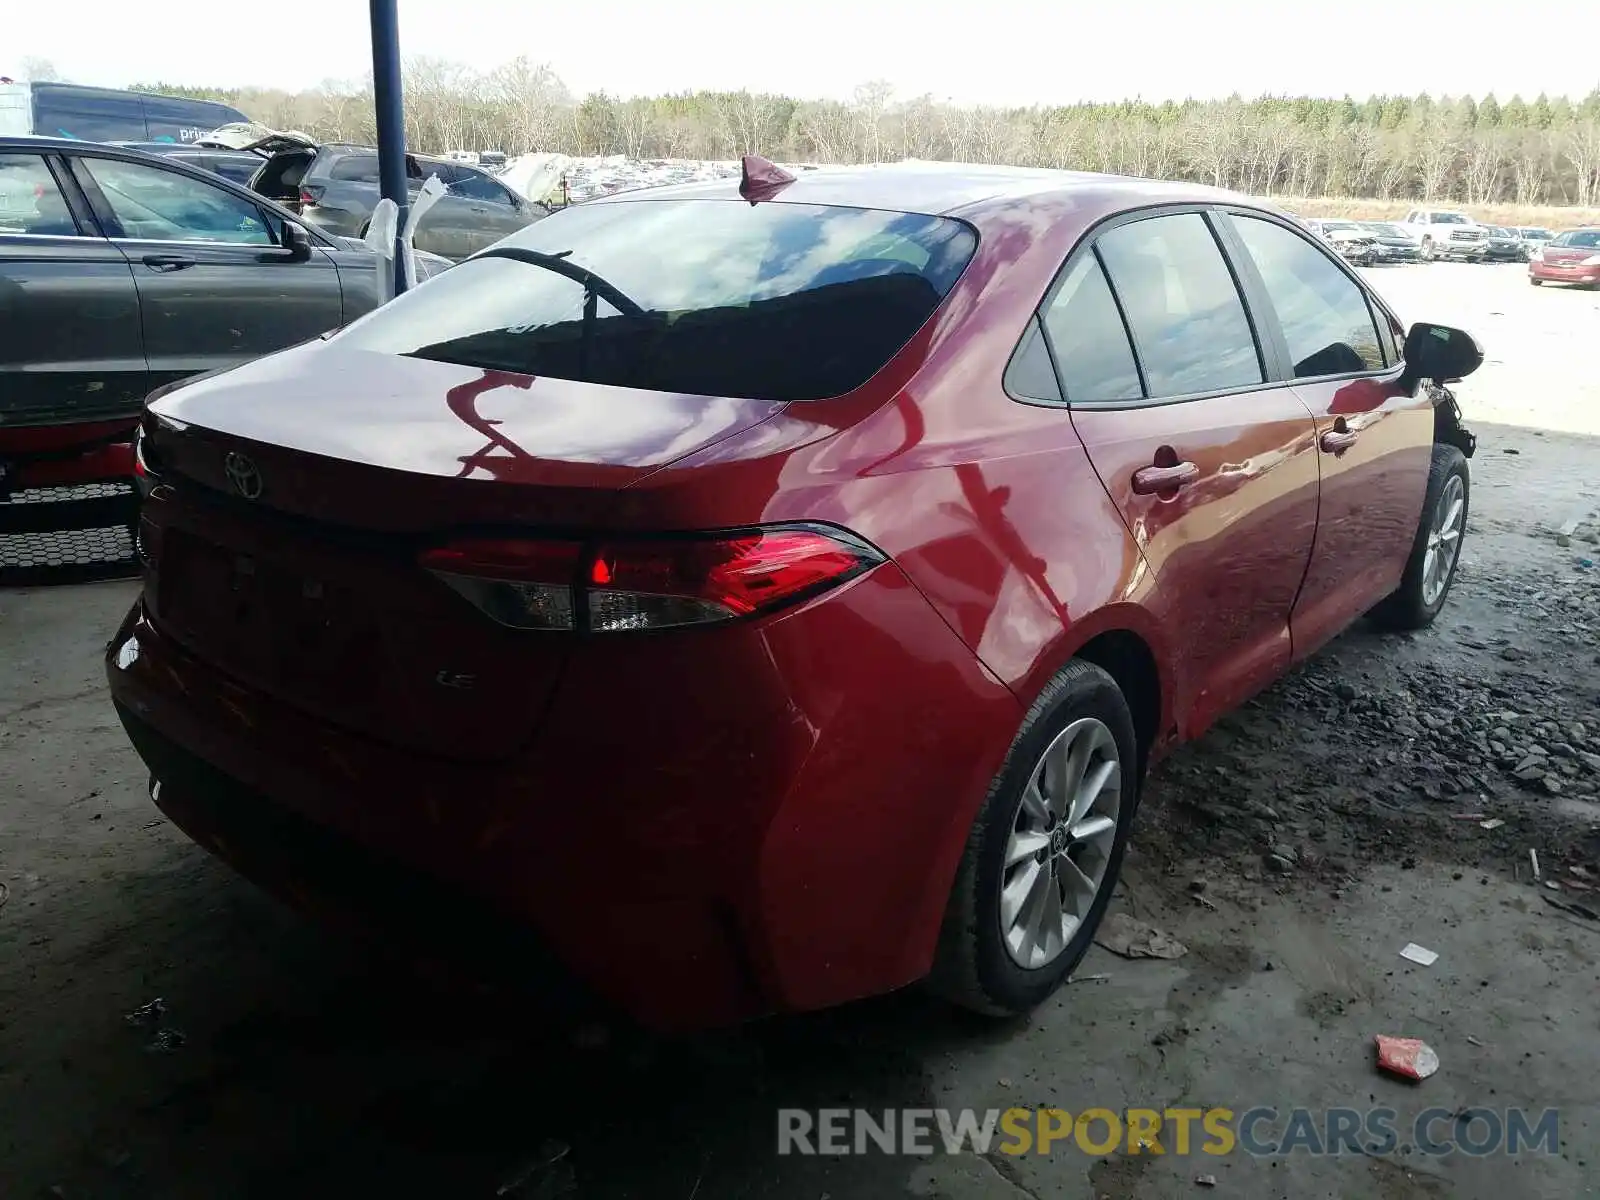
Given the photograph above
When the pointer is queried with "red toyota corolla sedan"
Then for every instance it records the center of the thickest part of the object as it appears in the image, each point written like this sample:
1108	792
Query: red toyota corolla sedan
760	595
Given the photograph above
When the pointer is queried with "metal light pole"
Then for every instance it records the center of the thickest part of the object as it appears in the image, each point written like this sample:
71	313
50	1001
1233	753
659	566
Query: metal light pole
386	95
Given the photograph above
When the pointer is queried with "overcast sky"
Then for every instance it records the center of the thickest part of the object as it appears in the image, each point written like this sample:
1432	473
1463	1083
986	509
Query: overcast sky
997	51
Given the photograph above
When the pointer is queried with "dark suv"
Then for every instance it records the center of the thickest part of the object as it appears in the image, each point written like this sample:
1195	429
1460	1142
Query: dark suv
335	187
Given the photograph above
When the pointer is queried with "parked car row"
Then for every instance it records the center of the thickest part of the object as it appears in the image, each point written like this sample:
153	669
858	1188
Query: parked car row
1427	235
334	186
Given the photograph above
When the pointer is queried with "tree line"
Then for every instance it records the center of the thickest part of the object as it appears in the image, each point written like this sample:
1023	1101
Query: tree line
1456	149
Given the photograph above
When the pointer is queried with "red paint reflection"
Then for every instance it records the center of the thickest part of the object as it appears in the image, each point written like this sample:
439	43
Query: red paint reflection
463	401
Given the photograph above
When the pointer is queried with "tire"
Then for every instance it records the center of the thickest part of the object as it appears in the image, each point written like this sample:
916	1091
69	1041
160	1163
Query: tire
1535	282
1414	604
1427	250
976	966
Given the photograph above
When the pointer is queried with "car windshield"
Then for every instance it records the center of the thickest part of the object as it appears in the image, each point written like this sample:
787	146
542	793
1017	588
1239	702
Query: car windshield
1585	239
1387	229
712	297
1536	233
1338	227
1449	219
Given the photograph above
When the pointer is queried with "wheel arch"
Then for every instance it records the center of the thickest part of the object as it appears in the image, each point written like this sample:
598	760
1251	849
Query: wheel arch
1126	642
1128	659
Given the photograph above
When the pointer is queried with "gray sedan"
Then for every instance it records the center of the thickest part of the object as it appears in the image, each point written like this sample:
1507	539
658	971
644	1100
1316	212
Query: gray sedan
121	271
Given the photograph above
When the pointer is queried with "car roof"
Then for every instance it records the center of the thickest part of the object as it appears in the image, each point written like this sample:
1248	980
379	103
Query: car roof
972	191
57	145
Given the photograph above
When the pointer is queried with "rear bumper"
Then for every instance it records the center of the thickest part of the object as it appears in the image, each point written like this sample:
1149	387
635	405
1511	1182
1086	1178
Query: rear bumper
337	879
701	832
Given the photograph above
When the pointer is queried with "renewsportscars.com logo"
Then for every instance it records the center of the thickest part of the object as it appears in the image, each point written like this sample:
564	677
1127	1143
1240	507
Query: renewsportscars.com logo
1261	1131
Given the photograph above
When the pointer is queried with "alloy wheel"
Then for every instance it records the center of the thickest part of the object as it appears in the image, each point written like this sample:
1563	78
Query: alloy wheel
1444	539
1060	844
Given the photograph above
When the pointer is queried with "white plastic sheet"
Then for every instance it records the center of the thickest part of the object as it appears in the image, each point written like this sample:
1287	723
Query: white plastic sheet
381	235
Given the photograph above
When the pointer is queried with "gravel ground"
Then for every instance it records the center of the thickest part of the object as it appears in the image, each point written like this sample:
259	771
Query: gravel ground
1294	849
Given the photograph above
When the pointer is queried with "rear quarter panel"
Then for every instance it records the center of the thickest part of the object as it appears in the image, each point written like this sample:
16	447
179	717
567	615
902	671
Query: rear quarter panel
989	505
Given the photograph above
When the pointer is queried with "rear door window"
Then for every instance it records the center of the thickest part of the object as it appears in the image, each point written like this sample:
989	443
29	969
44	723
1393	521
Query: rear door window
1183	307
1324	314
355	168
712	297
30	201
1090	342
475	185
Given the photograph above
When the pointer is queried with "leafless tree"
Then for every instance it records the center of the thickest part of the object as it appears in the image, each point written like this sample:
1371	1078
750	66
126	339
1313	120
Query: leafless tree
40	70
1530	161
871	103
1582	148
1482	163
1436	152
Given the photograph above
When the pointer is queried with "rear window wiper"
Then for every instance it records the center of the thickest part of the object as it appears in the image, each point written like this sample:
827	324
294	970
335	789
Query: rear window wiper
595	287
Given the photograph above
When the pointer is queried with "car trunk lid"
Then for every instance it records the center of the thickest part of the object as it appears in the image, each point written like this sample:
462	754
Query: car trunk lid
246	135
285	550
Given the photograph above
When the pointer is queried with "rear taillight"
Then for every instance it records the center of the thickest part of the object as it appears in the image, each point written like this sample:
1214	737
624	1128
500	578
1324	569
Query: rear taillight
310	194
649	583
523	583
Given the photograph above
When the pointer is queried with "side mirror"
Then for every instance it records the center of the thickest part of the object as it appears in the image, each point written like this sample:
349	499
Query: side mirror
297	241
1440	353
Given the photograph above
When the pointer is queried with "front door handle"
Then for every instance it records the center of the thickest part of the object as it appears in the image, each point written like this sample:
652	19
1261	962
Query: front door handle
168	262
1337	441
1150	480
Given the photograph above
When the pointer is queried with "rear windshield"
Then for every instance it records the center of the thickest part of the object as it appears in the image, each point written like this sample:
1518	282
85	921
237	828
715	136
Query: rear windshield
711	297
1582	238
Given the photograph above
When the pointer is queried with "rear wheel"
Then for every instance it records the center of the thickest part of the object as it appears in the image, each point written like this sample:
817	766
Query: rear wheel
1436	552
1534	280
1043	856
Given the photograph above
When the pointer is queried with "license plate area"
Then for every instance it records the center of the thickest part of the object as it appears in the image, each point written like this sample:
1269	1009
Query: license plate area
267	622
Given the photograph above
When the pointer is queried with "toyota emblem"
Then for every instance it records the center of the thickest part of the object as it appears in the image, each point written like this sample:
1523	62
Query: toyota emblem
243	474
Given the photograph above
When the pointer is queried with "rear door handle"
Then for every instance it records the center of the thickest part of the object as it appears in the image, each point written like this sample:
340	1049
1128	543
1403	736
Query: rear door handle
1150	480
1337	441
168	262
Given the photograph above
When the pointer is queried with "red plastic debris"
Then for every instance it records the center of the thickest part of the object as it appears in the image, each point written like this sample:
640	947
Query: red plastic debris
1409	1058
761	179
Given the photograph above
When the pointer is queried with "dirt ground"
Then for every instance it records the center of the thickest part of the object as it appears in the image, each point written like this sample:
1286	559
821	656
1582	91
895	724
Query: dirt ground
1294	850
